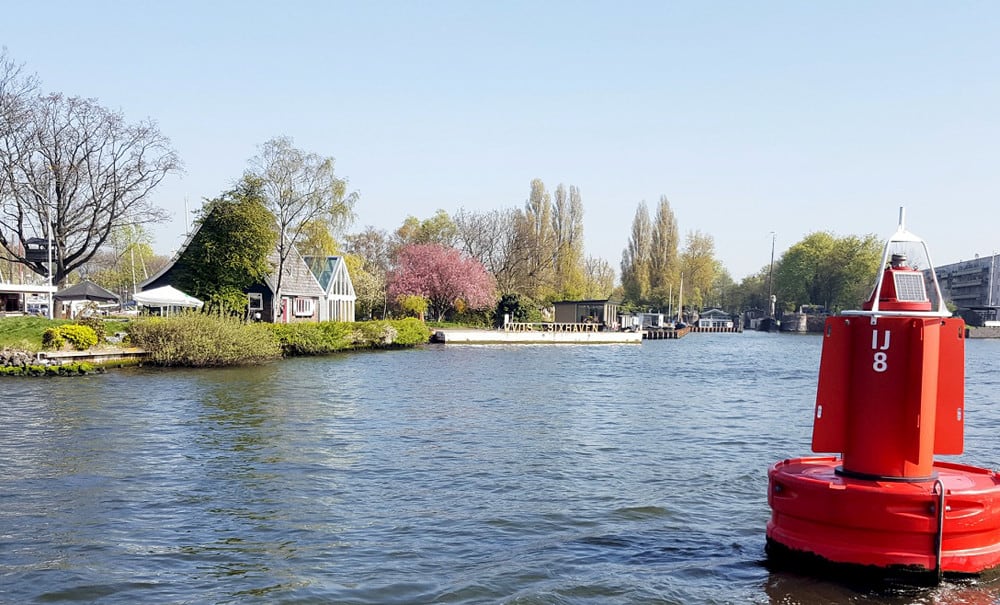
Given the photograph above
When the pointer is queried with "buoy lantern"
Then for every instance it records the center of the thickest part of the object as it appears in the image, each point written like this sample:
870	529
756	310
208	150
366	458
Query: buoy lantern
890	396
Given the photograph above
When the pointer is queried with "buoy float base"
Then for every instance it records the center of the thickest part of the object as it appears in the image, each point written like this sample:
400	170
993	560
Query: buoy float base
822	516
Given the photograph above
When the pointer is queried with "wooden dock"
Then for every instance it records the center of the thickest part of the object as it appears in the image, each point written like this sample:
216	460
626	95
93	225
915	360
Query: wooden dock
732	330
665	333
499	337
671	334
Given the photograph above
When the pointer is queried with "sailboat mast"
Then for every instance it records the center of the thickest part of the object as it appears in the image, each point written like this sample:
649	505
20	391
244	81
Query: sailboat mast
680	301
770	275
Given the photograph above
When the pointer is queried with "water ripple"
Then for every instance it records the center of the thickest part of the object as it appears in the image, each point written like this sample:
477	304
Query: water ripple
464	475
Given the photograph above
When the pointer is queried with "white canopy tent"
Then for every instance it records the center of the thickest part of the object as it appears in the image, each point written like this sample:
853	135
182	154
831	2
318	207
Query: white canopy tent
167	297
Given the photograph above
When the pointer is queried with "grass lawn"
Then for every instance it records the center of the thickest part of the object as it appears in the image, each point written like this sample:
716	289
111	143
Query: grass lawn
25	333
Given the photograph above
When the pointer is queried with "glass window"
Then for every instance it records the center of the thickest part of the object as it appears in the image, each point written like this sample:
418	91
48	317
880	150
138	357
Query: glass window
303	307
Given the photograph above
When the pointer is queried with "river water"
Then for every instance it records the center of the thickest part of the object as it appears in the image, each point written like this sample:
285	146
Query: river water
443	474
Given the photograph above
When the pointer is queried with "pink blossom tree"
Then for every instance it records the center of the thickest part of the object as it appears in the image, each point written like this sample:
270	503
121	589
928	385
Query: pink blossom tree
443	276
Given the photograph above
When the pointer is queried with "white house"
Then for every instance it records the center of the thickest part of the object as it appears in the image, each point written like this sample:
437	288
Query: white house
715	318
339	297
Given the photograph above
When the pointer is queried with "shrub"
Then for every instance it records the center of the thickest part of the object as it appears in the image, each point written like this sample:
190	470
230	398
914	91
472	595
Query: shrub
313	338
198	340
94	322
413	305
332	336
81	337
379	334
411	332
52	338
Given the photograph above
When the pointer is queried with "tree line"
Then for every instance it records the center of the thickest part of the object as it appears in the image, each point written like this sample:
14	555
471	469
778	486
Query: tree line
80	175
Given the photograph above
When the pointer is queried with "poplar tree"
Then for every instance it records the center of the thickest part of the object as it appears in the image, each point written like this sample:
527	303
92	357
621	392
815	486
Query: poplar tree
636	258
567	228
534	226
664	269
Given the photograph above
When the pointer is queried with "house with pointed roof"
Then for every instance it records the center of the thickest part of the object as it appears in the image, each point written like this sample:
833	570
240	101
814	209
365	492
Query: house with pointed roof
339	297
73	298
301	294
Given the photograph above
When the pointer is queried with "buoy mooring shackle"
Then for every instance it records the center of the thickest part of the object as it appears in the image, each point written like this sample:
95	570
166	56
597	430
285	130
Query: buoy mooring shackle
890	396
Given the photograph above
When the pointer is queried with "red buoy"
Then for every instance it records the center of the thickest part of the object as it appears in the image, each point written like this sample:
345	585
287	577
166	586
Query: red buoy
890	396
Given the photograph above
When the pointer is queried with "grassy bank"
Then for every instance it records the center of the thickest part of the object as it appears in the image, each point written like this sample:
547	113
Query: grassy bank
25	333
200	340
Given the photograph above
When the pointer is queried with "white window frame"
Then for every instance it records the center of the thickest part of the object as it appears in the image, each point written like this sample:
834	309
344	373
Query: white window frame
259	298
303	307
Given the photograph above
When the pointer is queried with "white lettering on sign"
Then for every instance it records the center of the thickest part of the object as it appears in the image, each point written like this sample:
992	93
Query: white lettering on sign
880	363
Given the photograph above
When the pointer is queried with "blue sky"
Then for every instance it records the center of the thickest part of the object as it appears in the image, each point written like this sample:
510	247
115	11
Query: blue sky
751	117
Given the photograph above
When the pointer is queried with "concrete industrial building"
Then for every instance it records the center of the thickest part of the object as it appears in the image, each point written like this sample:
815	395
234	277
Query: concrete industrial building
972	285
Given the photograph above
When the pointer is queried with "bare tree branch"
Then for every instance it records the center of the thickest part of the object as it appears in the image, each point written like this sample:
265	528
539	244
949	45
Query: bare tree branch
72	166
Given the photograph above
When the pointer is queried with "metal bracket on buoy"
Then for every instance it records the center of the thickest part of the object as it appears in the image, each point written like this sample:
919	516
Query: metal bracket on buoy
903	236
938	489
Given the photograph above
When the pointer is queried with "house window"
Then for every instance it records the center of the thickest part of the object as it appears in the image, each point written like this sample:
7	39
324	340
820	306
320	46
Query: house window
303	307
256	301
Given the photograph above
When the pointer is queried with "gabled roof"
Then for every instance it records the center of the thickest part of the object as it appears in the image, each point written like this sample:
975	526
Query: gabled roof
85	290
296	281
332	275
714	313
173	259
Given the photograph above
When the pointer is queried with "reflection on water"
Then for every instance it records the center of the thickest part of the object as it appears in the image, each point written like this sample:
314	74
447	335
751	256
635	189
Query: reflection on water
439	475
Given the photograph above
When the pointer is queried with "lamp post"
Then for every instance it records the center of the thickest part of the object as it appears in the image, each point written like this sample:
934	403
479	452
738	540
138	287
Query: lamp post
48	250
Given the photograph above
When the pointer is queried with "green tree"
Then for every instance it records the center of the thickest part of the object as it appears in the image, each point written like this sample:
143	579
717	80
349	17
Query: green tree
823	269
752	293
800	277
439	229
567	230
698	268
369	281
414	305
664	267
599	278
230	251
299	188
125	260
723	293
317	240
534	228
858	259
636	261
